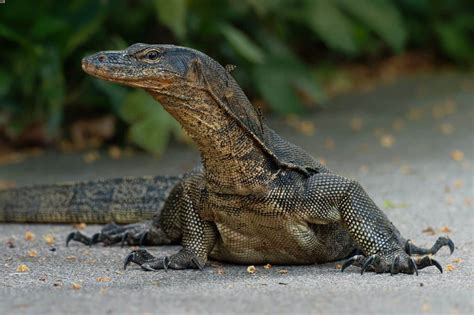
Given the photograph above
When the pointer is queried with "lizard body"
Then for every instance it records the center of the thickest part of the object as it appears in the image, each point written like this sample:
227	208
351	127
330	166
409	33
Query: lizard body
257	198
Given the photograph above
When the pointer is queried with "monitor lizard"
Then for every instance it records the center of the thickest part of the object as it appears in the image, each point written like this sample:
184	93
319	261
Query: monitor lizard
256	198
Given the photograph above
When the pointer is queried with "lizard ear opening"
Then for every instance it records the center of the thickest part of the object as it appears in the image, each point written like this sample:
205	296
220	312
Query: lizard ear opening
195	73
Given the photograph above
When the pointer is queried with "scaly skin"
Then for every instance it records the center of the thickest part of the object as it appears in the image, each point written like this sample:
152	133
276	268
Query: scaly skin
257	199
122	200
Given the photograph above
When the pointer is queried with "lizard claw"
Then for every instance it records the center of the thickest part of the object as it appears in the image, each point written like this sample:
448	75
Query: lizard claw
411	249
147	267
395	265
166	263
124	238
412	263
408	247
79	237
351	261
451	246
370	260
427	261
128	260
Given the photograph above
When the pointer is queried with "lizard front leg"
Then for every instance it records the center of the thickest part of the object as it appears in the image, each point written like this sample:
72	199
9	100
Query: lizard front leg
332	198
198	235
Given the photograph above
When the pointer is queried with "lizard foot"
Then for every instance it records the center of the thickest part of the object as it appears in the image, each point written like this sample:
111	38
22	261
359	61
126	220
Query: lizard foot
442	241
397	262
132	234
184	259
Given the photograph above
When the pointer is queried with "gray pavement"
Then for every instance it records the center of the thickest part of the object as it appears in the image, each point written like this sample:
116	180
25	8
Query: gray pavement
417	176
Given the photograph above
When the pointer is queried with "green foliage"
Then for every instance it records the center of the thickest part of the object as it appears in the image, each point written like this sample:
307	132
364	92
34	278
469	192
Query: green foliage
43	41
151	125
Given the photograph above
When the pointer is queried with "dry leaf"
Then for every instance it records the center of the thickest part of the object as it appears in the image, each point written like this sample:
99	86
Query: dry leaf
387	141
458	183
338	266
449	199
114	152
415	113
397	125
446	128
363	168
71	258
91	157
32	253
76	286
406	169
29	236
356	123
429	230
49	239
103	279
22	268
329	144
7	184
450	267
379	132
267	266
283	271
457	155
91	133
10	157
79	226
307	128
251	269
457	260
425	307
445	229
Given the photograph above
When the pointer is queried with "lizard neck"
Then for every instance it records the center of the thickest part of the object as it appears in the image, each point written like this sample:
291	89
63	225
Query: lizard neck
232	161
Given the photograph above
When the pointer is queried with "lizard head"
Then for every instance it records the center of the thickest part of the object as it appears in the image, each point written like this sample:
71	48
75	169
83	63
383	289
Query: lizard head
151	67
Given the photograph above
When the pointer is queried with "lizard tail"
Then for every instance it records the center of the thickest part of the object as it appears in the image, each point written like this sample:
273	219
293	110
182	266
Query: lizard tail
121	200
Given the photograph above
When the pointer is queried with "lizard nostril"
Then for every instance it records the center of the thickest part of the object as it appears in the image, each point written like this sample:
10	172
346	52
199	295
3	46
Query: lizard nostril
102	58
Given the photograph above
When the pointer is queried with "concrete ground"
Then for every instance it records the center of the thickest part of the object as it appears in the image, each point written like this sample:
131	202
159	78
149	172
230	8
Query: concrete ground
410	143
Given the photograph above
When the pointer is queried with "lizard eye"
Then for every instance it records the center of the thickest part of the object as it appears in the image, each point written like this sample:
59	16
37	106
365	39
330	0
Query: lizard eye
152	55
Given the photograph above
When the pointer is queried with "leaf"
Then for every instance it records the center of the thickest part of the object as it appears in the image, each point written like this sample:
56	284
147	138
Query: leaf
46	26
454	42
332	26
85	22
382	17
275	88
242	44
10	34
151	125
52	88
278	80
5	83
173	15
115	93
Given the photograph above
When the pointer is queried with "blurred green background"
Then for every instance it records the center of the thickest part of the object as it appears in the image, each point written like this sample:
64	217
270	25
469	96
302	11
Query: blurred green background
283	49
